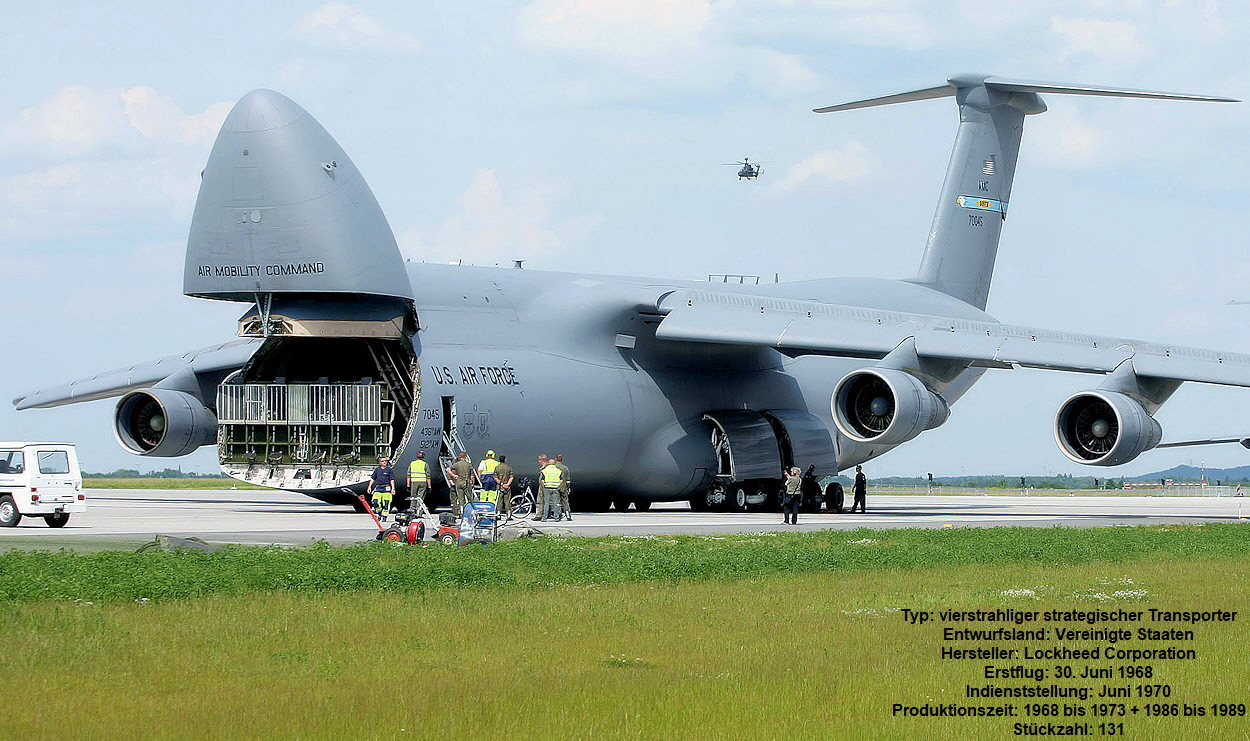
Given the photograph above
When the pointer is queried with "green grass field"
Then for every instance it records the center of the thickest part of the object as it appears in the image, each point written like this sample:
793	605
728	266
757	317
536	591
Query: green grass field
795	635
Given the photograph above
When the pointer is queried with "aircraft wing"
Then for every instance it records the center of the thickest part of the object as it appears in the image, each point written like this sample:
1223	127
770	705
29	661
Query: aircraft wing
811	327
1244	441
224	357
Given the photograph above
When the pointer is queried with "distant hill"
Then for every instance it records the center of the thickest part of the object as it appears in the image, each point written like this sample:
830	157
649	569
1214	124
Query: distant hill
1240	474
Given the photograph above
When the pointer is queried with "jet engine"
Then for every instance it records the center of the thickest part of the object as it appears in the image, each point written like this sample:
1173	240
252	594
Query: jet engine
163	422
885	406
1104	428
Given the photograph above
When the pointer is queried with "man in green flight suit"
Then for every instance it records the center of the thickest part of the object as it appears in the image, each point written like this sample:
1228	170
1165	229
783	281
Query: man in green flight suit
566	486
503	478
461	476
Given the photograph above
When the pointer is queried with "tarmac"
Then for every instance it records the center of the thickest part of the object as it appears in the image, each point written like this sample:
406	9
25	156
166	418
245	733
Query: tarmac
127	518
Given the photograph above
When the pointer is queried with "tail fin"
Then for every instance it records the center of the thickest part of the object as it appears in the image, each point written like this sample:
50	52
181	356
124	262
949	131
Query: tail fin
963	243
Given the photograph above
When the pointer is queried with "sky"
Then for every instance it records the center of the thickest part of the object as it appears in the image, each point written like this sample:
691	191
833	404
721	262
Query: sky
589	135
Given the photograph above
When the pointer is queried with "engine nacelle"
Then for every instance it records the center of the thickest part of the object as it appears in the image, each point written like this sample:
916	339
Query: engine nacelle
163	422
1104	428
886	406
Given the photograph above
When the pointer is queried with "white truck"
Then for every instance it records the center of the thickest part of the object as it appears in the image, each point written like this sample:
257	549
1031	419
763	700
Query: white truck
40	479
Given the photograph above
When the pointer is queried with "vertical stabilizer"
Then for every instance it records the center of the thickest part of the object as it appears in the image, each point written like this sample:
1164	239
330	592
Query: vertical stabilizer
963	242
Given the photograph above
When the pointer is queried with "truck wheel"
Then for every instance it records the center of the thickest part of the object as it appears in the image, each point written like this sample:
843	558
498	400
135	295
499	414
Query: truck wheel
56	519
9	516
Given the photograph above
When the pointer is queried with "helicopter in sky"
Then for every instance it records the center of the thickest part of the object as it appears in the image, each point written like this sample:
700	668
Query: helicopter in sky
749	170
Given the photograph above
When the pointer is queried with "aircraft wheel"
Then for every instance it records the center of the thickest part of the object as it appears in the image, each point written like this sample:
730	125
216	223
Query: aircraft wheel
738	499
833	497
9	516
56	519
620	504
642	505
447	539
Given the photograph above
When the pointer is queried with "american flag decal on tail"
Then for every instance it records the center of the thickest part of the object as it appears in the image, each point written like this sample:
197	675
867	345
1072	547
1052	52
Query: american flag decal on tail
988	167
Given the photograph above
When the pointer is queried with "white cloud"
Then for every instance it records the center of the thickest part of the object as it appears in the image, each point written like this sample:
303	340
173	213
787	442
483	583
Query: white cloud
662	45
897	30
850	162
95	197
489	228
93	162
631	30
345	26
77	121
158	117
1061	138
1113	42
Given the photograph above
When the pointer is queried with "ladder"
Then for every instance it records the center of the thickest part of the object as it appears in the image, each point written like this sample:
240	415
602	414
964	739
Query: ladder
395	375
453	446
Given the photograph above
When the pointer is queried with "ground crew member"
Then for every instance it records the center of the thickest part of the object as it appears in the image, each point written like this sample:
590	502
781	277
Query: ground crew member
566	487
861	491
792	497
382	487
552	477
461	475
418	480
538	488
486	474
503	478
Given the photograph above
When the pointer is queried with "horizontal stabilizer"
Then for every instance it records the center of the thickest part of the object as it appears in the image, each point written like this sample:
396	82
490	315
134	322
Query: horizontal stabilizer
1008	85
942	91
1033	86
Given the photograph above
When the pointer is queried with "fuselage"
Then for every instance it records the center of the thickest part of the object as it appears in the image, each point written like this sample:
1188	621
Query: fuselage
544	362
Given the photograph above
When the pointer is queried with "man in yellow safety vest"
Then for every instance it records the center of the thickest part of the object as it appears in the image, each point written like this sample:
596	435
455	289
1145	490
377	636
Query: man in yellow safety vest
552	478
486	474
418	480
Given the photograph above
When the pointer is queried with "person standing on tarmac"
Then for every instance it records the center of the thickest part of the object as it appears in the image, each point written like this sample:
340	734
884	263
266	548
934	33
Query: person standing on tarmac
861	491
551	479
418	481
503	478
566	487
486	474
793	496
461	474
538	489
382	487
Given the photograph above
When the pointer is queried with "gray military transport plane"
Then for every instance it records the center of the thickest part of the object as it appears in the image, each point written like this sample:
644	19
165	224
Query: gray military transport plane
654	389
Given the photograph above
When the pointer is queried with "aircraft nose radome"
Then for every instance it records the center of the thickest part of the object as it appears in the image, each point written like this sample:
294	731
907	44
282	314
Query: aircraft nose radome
263	110
282	209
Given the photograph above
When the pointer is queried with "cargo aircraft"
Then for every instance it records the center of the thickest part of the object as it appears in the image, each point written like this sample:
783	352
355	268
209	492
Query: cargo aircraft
654	389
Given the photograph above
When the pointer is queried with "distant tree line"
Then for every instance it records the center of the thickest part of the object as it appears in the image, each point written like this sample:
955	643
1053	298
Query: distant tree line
168	473
1057	481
